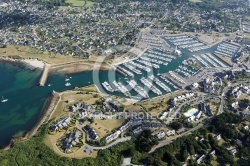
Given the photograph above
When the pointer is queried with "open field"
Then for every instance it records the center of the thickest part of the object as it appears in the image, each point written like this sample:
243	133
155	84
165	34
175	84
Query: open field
104	127
244	96
76	3
91	88
89	3
133	108
51	140
80	3
157	105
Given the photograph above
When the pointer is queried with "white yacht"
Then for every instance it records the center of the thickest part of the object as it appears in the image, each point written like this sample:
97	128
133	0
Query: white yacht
4	100
68	84
107	86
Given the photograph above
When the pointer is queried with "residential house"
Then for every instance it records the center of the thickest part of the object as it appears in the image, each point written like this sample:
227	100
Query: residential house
161	135
233	152
201	159
170	132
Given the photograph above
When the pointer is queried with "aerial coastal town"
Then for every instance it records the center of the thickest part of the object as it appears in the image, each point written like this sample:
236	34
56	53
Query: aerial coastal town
180	89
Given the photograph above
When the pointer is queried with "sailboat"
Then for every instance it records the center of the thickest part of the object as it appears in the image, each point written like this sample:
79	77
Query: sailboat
4	100
158	72
68	84
66	79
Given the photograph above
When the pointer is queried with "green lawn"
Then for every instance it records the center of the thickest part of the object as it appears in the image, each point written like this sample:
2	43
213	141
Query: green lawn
89	3
80	3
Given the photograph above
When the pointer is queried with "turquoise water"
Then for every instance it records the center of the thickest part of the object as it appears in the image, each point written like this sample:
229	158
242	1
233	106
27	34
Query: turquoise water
25	99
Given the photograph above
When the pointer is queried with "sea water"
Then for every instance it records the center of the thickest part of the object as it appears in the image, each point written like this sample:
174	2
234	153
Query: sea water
26	100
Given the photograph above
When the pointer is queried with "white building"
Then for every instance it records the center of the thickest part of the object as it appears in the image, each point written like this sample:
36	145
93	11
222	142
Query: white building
170	132
113	136
161	135
194	85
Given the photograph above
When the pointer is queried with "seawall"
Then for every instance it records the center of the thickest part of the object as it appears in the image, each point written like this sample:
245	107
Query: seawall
44	75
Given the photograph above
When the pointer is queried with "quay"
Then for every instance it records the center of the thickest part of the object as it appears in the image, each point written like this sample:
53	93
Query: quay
44	75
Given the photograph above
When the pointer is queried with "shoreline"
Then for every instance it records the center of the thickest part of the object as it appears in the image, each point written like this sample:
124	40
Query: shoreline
49	105
30	63
47	111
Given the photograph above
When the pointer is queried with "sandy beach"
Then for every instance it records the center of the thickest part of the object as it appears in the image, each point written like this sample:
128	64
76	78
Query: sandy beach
34	63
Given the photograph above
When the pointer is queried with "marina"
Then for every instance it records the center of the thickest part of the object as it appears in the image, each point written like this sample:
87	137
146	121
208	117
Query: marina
133	69
122	88
175	77
161	71
138	89
205	64
159	83
169	82
187	42
227	49
150	86
147	69
125	71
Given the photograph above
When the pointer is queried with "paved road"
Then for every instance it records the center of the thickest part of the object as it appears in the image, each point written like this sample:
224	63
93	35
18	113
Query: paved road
166	142
124	139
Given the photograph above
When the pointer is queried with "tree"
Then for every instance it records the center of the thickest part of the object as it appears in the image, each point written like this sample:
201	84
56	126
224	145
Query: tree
184	155
176	125
145	141
91	120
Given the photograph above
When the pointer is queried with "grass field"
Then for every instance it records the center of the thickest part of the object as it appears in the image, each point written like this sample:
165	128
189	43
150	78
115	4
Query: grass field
89	3
158	105
133	108
80	3
104	127
244	96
